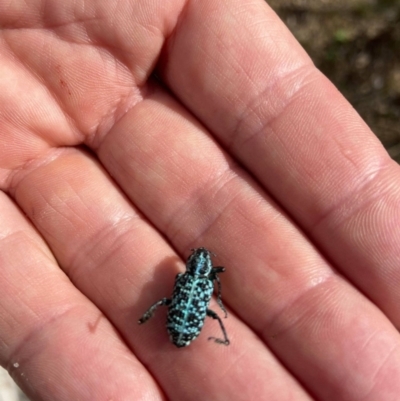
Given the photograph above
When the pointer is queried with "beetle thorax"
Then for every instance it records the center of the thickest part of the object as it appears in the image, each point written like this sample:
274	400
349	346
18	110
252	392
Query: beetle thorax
199	262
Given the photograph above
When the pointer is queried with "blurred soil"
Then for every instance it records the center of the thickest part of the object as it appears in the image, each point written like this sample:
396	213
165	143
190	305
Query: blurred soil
356	43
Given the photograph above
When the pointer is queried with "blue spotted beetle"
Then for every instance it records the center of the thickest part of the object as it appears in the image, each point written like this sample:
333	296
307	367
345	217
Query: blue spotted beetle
188	307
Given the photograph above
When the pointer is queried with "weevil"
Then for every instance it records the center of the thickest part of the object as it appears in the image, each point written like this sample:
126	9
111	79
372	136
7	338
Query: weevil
188	306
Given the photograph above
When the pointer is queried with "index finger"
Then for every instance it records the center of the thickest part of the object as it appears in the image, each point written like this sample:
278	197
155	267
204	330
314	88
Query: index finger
276	113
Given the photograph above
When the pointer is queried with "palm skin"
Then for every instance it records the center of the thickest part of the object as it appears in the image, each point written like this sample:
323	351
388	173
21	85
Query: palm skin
110	174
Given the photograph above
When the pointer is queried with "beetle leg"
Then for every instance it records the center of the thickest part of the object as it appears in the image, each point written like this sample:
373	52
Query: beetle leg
213	315
151	310
214	276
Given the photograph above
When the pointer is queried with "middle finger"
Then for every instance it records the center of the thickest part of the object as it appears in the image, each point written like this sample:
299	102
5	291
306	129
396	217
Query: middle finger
280	285
123	265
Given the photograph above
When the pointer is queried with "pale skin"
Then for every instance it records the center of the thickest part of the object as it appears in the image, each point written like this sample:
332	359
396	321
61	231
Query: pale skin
239	145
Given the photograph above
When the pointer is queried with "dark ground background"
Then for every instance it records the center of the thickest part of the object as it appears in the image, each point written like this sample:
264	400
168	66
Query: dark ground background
356	43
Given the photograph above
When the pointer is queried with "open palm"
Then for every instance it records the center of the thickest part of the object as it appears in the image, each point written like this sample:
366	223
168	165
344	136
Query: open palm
132	131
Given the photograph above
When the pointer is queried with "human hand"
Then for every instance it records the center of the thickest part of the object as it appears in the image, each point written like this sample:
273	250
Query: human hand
239	145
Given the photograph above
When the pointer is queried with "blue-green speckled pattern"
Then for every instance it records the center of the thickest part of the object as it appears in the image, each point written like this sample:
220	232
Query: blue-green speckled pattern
188	307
